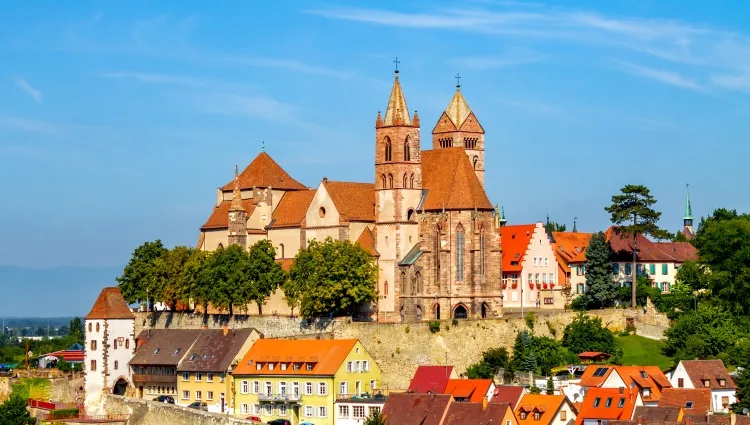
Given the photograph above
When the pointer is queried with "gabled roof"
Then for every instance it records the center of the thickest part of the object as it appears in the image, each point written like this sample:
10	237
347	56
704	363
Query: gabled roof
594	405
515	241
473	389
416	409
396	113
292	208
164	347
451	182
353	201
219	218
680	251
475	414
430	379
263	171
658	414
622	248
367	241
213	351
458	109
571	246
412	256
110	305
595	375
712	370
326	355
650	377
546	405
510	394
694	401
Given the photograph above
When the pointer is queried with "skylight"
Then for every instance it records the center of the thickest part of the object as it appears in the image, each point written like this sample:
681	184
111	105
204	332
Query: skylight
600	371
597	401
621	403
157	351
689	404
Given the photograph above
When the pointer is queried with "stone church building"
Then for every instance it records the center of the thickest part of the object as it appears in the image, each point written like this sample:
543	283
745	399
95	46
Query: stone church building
425	218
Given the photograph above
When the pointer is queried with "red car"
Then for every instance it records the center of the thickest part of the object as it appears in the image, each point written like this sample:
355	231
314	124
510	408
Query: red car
255	419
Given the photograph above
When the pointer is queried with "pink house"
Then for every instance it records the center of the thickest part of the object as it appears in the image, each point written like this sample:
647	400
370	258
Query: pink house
529	268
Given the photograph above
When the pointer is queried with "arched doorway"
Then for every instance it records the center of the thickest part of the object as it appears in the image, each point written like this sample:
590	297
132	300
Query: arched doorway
460	312
436	310
485	310
120	387
419	313
401	313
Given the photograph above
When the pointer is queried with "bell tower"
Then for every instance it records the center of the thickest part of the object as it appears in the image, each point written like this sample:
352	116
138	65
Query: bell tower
459	127
237	216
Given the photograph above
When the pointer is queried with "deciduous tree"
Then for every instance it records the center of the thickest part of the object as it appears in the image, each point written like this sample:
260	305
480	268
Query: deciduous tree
705	333
227	270
139	281
13	412
196	283
169	269
264	274
586	333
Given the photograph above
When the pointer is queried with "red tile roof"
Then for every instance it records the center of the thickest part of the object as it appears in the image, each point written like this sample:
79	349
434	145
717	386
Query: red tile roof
698	399
515	241
571	246
594	405
263	171
681	251
593	378
546	405
654	380
650	414
475	414
353	201
219	218
648	251
451	182
416	409
713	370
110	305
473	389
327	355
367	241
510	394
292	209
430	379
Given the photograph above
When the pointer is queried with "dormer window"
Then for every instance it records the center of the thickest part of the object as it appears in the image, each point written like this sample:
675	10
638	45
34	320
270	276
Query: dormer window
271	365
537	416
643	374
157	351
258	366
722	382
647	392
608	403
283	366
523	415
296	366
309	367
621	403
193	357
597	401
706	383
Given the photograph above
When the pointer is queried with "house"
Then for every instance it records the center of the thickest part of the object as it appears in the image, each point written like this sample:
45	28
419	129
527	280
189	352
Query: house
479	414
431	379
593	357
707	374
539	409
110	342
442	409
471	390
648	380
570	252
305	380
510	394
529	268
73	354
154	366
607	404
693	401
204	371
658	414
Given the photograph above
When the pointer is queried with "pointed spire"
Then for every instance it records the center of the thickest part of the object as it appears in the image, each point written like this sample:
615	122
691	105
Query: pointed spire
397	113
458	109
415	120
236	194
575	221
497	216
502	216
379	120
688	209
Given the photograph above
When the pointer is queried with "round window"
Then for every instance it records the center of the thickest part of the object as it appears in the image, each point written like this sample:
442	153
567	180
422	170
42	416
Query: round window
322	212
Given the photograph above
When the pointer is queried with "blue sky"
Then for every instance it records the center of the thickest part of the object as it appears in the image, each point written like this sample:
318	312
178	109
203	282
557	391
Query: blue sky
119	119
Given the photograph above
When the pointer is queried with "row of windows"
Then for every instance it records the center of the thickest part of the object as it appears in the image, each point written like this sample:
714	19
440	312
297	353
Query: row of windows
117	342
284	366
268	409
152	389
198	395
408	182
355	366
357	412
154	370
254	387
389	150
199	377
541	261
641	269
344	388
92	365
545	278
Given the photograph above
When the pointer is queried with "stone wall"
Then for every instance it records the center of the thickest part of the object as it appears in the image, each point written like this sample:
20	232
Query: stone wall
143	412
4	388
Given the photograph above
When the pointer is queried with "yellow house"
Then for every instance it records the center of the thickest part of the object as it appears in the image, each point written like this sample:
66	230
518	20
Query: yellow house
300	380
204	372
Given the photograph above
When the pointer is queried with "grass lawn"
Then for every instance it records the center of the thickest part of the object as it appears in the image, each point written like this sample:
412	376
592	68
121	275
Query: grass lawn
642	351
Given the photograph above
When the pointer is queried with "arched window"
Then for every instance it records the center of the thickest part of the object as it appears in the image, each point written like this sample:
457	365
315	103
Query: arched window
403	283
475	160
436	310
418	278
221	245
89	327
388	150
385	288
382	177
281	250
481	251
419	312
436	250
411	183
127	343
390	181
405	180
460	252
407	154
410	214
460	312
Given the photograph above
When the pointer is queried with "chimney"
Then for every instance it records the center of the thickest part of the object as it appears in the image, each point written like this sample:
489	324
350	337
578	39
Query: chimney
226	329
621	390
484	404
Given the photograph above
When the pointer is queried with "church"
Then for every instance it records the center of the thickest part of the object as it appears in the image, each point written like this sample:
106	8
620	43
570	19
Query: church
425	218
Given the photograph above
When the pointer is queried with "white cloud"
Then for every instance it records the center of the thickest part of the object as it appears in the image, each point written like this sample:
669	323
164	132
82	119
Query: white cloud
260	107
28	89
511	58
31	126
662	76
173	79
289	64
733	82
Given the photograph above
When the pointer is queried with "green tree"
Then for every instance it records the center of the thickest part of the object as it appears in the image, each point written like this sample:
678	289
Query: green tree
530	320
691	276
550	386
13	412
492	361
75	329
139	281
586	333
704	333
228	270
552	226
743	391
376	418
535	390
264	274
169	269
633	215
600	287
196	283
549	353
332	277
523	353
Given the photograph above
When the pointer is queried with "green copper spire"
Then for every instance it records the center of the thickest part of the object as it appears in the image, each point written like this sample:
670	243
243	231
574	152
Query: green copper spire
502	215
688	210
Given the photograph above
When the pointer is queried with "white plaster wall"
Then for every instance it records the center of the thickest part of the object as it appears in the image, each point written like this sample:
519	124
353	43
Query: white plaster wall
350	420
213	238
678	373
94	380
290	237
540	248
321	199
716	396
124	329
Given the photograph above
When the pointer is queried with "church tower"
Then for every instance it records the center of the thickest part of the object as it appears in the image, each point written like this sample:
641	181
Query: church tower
398	189
237	216
687	220
458	127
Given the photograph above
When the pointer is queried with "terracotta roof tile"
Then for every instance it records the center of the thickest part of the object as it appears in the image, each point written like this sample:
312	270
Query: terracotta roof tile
510	394
367	241
595	404
473	389
713	370
681	251
694	401
571	246
163	346
430	379
219	218
649	251
292	208
213	351
416	409
654	379
263	171
595	375
353	201
475	414
658	414
547	405
110	305
327	355
451	182
515	241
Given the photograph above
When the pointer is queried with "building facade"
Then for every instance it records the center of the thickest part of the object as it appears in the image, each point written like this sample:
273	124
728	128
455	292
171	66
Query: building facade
710	374
109	345
529	268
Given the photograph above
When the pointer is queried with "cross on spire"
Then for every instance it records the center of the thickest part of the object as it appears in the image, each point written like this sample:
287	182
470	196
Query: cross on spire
458	80
397	62
263	146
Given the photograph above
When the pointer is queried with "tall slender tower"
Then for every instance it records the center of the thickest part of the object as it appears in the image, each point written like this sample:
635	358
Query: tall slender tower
237	215
398	189
687	220
459	127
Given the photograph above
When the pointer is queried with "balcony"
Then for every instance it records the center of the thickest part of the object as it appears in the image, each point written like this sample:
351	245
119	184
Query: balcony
150	379
282	398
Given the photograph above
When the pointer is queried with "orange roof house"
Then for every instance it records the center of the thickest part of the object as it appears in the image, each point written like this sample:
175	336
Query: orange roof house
472	390
264	172
605	404
510	394
693	401
516	240
648	380
594	376
570	251
324	357
479	414
291	209
431	379
110	305
416	409
539	409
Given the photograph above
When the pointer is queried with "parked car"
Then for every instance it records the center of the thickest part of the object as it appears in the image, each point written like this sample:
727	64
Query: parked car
198	405
280	422
255	419
165	399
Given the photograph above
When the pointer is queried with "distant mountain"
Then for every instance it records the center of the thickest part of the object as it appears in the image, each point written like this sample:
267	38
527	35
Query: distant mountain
58	291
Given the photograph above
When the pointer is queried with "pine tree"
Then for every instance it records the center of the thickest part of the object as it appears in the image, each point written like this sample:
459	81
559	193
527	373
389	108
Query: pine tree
599	284
550	386
523	354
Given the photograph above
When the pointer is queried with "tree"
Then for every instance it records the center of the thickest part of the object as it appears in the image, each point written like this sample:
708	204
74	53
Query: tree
535	390
227	270
530	319
743	391
586	333
139	280
376	418
550	386
552	226
492	361
632	214
549	353
264	274
75	329
691	275
169	269
523	353
599	285
196	280
332	277
704	333
13	412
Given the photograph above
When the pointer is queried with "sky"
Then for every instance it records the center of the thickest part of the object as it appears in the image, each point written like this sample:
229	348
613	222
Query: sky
118	120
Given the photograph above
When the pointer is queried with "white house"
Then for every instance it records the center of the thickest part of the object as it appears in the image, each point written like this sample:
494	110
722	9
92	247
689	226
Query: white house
110	344
353	410
707	374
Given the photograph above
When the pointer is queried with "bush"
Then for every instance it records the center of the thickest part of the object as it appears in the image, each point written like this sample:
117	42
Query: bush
434	326
64	413
581	303
454	322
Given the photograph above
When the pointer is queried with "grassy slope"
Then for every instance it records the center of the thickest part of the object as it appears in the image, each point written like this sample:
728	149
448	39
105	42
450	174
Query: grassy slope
641	351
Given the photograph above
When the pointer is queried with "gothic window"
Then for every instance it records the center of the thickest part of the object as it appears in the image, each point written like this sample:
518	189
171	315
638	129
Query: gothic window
411	183
390	181
403	283
437	311
475	160
460	253
405	180
382	177
481	251
385	288
460	312
436	249
407	154
410	214
413	285
418	278
388	150
221	245
281	249
446	142
470	143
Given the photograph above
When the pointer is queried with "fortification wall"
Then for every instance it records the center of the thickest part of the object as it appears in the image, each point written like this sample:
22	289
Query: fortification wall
143	412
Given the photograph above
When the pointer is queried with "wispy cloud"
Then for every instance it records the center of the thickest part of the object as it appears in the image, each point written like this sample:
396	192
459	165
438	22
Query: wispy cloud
175	80
289	64
30	126
662	76
734	82
28	89
260	107
510	58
